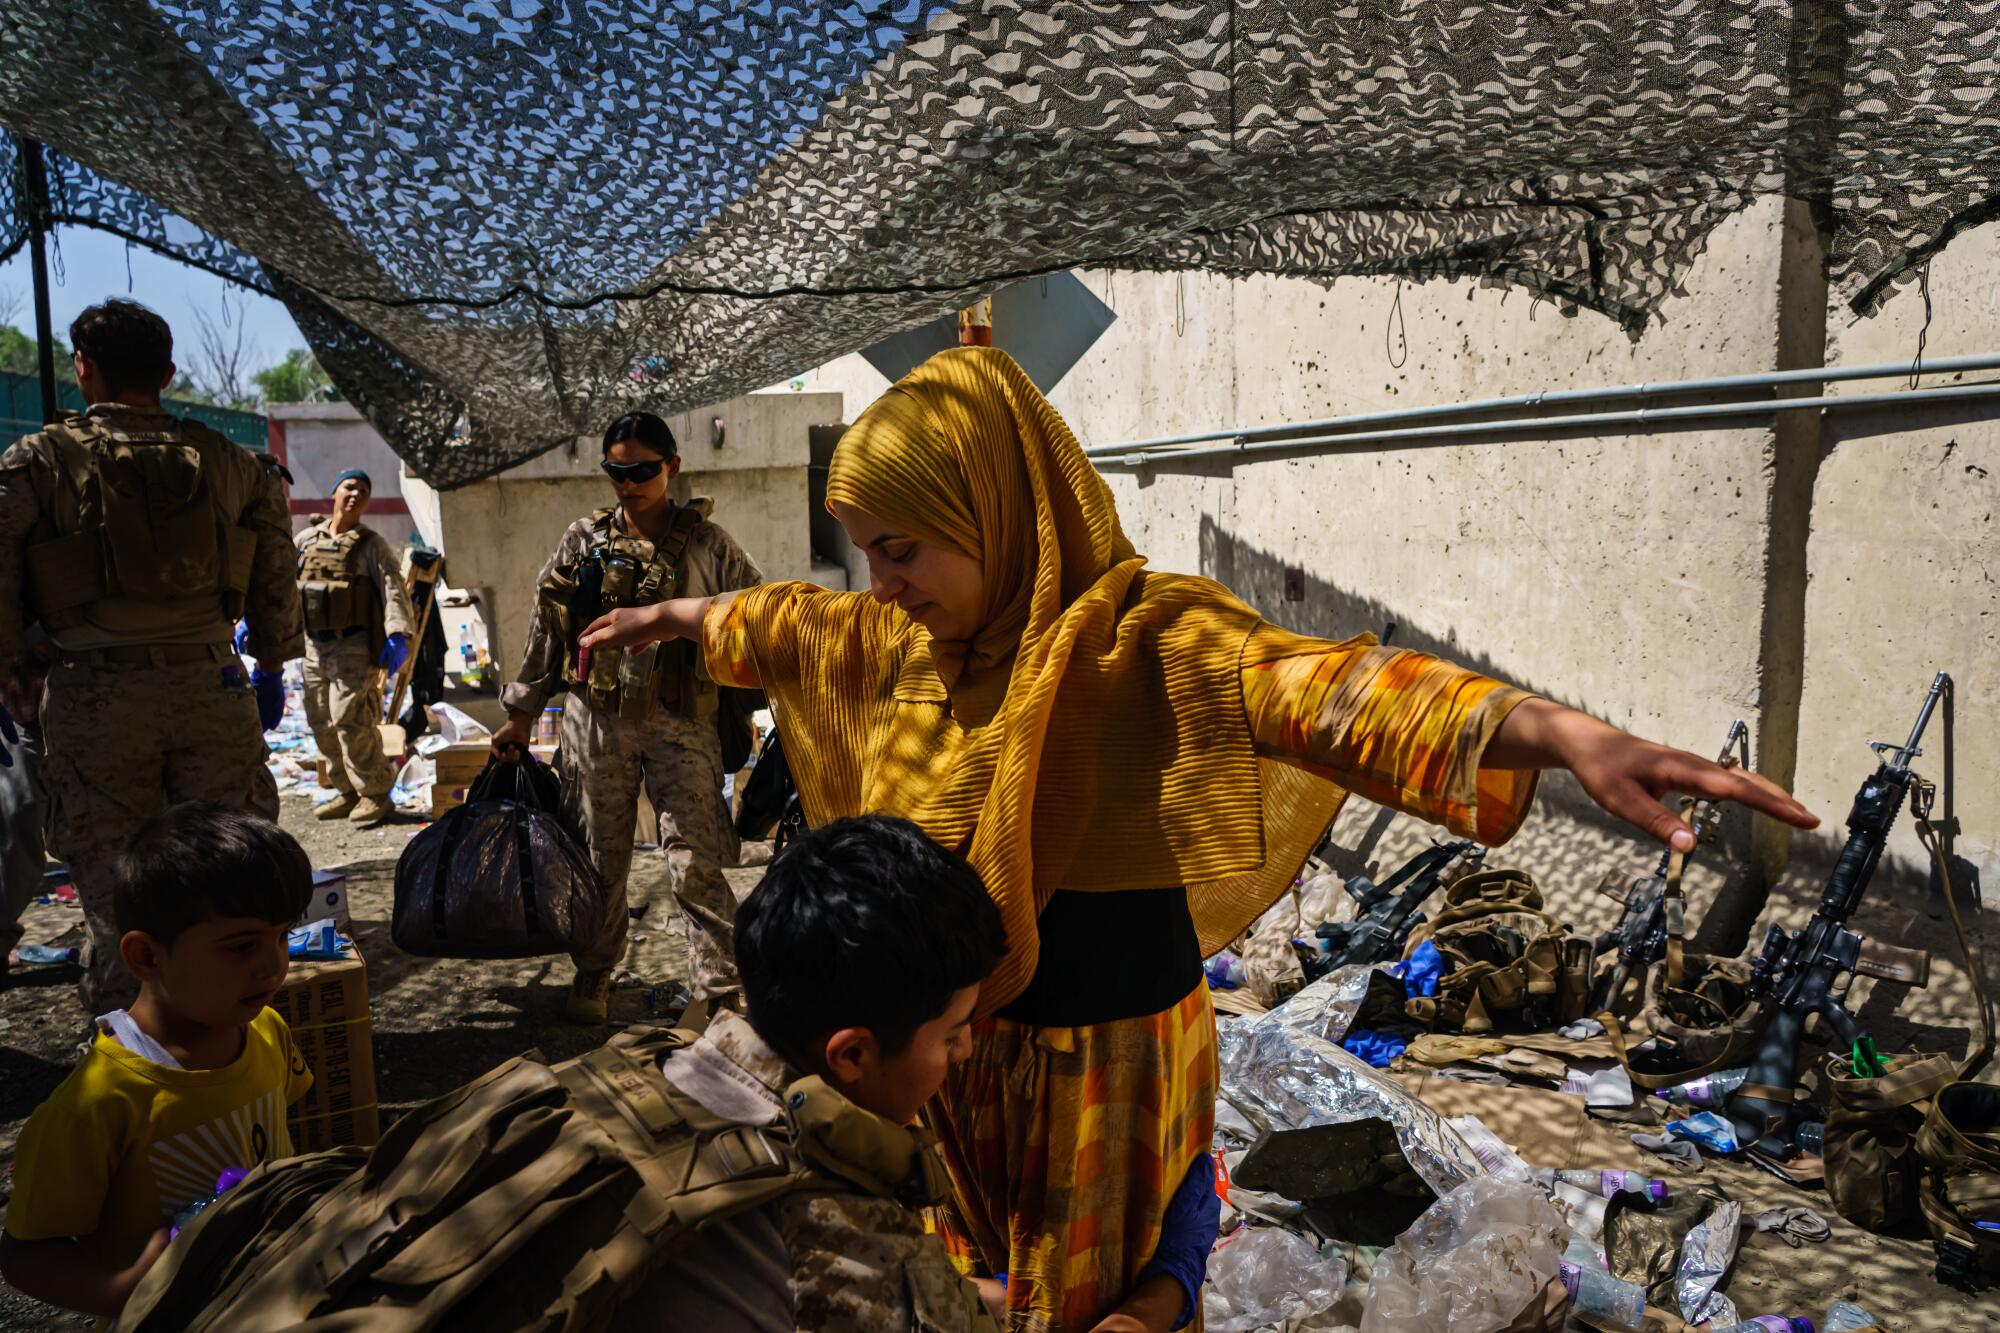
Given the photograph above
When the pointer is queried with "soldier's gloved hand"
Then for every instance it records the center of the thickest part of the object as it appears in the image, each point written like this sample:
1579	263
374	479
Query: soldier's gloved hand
12	736
242	637
394	653
1187	1233
269	687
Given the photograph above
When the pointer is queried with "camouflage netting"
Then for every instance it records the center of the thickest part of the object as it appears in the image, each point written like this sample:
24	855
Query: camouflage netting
500	222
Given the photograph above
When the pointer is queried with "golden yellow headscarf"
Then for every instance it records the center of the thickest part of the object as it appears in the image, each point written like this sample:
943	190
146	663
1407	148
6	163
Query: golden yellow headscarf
1092	736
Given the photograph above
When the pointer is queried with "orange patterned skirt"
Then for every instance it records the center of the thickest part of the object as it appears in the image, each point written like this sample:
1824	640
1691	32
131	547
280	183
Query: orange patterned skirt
1064	1145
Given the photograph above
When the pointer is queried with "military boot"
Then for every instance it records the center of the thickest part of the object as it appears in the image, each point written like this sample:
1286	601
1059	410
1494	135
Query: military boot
338	807
371	810
589	997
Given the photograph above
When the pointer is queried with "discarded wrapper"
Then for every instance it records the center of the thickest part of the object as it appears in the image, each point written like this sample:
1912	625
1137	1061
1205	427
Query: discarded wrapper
1705	1258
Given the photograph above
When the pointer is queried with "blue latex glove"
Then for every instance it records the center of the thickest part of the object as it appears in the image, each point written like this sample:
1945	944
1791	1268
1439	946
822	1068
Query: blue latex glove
242	637
1187	1233
1377	1048
269	687
12	736
394	653
1421	972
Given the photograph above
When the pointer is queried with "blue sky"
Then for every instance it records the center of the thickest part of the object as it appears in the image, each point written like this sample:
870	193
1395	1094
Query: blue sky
94	267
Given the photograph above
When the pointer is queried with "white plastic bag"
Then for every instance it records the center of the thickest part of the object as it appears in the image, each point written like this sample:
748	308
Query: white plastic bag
1266	1276
1470	1264
455	724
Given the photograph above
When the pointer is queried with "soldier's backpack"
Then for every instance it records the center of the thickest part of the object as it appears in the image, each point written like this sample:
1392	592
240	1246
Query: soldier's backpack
1959	1148
150	531
536	1197
1508	965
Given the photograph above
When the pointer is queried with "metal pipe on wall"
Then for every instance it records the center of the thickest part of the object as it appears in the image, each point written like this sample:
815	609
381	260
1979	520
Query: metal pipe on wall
1129	456
1565	397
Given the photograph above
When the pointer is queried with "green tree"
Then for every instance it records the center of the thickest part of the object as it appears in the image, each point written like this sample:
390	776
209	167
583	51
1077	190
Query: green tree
18	353
296	379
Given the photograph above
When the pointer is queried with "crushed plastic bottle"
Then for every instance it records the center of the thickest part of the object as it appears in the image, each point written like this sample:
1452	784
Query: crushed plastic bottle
1711	1091
1605	1184
1770	1323
231	1177
46	953
1598	1298
1846	1316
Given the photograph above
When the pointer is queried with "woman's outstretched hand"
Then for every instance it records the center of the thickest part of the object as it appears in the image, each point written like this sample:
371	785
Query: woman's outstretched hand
1629	777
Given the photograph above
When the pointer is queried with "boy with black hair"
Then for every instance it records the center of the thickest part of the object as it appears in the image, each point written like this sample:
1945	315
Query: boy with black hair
861	952
192	1080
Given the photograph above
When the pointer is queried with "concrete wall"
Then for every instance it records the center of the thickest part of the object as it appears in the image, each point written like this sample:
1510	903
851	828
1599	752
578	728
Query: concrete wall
319	441
1806	576
497	534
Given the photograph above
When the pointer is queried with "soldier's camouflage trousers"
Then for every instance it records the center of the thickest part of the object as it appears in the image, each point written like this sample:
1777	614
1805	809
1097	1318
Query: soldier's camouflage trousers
343	689
124	740
604	760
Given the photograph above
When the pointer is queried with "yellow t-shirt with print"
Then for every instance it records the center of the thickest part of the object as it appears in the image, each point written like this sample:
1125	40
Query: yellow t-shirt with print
124	1144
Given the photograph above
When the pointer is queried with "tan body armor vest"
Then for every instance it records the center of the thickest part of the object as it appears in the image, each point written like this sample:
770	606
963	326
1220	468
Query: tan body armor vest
620	571
337	590
150	534
537	1196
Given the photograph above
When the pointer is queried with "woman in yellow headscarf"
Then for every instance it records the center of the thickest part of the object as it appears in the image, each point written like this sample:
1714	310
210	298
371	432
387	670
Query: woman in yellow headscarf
1137	765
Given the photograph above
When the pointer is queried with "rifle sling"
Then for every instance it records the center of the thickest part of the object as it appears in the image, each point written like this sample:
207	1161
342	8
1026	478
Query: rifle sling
1921	795
1673	907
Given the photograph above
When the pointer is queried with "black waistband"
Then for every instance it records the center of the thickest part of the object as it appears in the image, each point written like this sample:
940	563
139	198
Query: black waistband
1107	956
335	635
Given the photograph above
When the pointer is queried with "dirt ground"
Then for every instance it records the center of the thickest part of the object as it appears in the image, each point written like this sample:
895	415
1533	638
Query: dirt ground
437	1022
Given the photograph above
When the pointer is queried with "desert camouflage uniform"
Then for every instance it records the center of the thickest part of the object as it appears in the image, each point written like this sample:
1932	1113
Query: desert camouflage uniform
604	759
821	1263
146	713
343	679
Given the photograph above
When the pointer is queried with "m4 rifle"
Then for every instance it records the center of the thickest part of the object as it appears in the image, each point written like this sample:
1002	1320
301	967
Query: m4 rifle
1387	912
1794	975
1640	937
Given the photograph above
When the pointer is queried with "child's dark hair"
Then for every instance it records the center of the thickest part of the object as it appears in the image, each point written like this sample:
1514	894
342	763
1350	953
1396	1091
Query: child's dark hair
642	428
192	863
131	345
862	923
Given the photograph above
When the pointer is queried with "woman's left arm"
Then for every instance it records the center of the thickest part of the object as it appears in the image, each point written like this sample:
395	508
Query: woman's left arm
1453	747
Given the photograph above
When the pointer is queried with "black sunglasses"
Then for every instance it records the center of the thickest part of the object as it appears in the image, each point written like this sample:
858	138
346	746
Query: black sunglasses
634	473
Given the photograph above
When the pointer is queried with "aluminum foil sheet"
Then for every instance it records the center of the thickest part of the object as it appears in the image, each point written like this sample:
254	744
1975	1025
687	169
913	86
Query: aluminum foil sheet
1705	1257
1285	1070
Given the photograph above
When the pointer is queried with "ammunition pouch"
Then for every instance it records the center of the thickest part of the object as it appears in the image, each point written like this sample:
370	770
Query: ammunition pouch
150	531
1958	1148
1707	1021
622	572
1871	1136
1508	965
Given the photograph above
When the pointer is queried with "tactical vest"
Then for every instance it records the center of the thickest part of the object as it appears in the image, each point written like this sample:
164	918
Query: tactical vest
150	535
621	571
538	1196
1508	965
337	591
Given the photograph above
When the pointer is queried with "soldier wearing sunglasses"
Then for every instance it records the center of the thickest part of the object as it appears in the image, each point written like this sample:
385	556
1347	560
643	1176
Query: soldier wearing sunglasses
636	717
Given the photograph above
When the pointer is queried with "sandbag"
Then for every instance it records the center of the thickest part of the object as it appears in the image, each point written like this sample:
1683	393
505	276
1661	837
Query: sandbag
1871	1136
499	878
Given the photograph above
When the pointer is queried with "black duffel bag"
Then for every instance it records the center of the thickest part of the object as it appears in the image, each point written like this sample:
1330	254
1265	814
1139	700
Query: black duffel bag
498	877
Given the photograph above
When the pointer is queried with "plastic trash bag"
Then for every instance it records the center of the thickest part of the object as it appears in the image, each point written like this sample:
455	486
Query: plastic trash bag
1477	1259
1265	1277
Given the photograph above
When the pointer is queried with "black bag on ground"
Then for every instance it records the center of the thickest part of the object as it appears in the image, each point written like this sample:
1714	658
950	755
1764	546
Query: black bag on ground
498	877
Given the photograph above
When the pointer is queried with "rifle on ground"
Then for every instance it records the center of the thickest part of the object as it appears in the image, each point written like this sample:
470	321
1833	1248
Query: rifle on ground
1641	936
1387	912
1794	975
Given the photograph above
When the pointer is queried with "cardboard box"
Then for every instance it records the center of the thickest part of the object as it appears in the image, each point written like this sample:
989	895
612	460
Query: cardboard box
459	763
329	898
326	1006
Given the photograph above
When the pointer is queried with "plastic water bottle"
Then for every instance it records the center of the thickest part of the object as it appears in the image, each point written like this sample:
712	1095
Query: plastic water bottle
549	726
46	953
1597	1297
1810	1138
1711	1091
1225	971
1845	1317
1604	1184
1770	1323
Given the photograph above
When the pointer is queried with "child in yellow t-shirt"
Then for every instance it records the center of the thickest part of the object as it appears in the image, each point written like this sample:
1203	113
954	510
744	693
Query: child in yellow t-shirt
192	1080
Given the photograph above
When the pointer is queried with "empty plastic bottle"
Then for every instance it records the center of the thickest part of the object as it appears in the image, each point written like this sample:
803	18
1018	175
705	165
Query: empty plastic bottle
1711	1091
1810	1138
1770	1323
1600	1299
1604	1184
46	953
1846	1316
